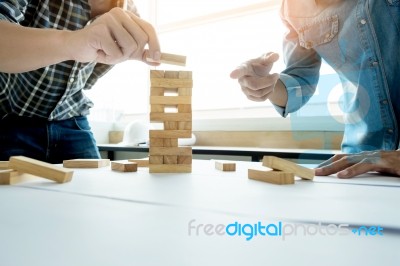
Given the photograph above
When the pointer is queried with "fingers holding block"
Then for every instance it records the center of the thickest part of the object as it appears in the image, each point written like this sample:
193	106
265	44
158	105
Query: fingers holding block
288	166
273	177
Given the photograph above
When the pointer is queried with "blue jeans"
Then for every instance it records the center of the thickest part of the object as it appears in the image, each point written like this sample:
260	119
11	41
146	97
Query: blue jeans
50	141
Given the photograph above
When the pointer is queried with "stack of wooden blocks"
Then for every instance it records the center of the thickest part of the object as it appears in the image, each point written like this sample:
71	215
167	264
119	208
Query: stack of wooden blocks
171	105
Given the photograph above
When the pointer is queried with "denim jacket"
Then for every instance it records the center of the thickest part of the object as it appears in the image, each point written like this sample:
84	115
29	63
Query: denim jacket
360	39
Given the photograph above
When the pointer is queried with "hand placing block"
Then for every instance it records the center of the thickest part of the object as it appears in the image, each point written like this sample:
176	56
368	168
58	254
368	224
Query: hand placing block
225	166
86	163
42	169
273	177
124	166
288	166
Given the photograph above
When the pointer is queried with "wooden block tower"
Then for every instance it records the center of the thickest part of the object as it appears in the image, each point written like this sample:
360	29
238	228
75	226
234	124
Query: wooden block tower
171	105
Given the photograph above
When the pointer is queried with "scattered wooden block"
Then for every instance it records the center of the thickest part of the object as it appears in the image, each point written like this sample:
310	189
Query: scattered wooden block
6	176
35	167
225	166
4	165
124	166
140	162
86	163
274	177
287	166
12	177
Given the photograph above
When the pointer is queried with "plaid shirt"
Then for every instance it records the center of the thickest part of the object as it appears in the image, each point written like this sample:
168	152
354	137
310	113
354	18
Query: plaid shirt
54	92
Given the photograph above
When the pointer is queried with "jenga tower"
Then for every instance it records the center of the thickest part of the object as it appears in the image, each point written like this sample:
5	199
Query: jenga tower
171	105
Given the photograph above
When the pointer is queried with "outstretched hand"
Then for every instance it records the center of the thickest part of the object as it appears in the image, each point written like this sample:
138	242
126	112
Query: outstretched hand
255	78
351	165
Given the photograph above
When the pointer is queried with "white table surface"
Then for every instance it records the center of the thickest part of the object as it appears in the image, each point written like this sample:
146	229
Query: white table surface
110	218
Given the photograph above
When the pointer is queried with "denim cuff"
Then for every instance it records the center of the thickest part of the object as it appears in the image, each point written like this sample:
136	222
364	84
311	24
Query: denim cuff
295	95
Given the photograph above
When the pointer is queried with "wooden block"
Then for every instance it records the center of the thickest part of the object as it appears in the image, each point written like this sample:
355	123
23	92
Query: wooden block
124	166
171	59
170	134
170	168
170	125
179	151
274	177
170	100
86	163
156	142
4	165
157	73
185	75
225	166
185	159
6	176
170	143
35	167
12	177
171	159
184	125
288	166
161	117
185	91
156	159
157	91
184	108
171	83
140	162
170	74
157	108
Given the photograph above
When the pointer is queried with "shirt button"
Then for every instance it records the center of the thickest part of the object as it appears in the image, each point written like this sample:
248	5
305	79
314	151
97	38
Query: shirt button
363	21
71	80
384	102
375	63
390	130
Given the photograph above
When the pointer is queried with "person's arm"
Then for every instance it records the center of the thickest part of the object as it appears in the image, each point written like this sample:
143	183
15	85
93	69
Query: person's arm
293	87
114	37
24	49
351	165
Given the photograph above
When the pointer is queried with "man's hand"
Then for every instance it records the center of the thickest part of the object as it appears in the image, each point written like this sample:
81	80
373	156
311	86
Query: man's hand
254	77
351	165
114	37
